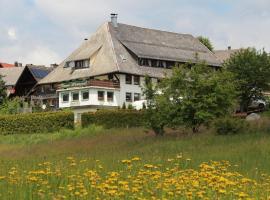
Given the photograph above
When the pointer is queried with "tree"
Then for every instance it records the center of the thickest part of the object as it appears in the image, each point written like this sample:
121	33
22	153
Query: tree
206	42
155	115
251	69
192	96
3	94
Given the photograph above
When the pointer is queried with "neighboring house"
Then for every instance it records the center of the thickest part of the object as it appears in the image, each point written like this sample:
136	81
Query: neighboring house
6	65
108	69
19	81
224	55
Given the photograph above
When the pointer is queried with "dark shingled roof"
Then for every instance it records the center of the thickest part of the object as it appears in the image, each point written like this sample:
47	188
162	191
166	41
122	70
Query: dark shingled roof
114	49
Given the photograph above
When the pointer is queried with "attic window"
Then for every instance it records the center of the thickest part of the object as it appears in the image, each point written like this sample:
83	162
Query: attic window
78	64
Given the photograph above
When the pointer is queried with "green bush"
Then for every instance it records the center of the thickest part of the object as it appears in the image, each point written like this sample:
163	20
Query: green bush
114	118
36	122
230	126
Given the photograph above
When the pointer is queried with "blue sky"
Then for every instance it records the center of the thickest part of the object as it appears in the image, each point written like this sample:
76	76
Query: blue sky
47	31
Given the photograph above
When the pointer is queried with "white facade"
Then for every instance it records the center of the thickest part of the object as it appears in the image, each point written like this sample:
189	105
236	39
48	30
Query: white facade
129	92
92	100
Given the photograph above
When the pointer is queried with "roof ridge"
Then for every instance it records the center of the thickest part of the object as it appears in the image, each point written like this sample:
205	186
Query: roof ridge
153	29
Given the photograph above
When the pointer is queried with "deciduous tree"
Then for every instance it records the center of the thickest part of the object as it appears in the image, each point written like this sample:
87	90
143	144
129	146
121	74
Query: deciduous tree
251	69
206	42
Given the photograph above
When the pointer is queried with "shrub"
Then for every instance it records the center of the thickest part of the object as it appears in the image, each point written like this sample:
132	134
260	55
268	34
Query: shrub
230	126
36	122
114	118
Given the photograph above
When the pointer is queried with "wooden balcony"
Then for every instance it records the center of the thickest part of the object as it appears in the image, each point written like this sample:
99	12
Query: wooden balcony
104	83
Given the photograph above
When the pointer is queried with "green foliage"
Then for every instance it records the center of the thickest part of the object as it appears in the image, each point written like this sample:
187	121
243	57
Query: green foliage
155	113
124	106
194	96
114	118
130	107
63	134
252	70
3	94
230	126
206	42
35	122
12	106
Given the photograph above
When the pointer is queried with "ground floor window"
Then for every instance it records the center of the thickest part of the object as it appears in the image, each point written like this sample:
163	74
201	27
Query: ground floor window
101	95
110	96
75	96
137	96
85	95
65	97
129	97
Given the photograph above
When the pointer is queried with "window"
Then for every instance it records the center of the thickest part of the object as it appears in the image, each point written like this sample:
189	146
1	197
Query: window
128	79
80	64
129	97
110	96
75	96
101	95
65	97
85	95
137	96
136	80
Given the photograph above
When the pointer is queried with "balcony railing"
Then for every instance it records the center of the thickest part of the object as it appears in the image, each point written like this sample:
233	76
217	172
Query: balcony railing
92	82
104	83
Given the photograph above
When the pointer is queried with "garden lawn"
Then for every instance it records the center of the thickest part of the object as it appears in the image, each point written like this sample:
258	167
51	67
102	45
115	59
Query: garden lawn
78	165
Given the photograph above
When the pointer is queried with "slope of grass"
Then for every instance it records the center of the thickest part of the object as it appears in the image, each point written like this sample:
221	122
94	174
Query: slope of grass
248	153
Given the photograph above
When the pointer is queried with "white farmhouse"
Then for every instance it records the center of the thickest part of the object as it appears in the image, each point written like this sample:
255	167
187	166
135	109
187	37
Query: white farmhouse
108	69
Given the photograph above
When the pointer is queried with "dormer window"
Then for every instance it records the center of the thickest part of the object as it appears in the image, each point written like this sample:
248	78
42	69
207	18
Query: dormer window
78	64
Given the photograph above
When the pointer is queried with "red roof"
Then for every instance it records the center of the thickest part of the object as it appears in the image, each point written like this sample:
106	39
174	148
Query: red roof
6	65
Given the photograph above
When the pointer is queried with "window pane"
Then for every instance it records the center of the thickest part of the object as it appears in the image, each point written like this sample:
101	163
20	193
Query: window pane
128	79
109	96
128	96
101	95
137	96
75	96
65	97
136	80
85	95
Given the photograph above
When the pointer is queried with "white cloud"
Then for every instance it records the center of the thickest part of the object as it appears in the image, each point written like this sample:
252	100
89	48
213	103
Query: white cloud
40	55
53	29
12	34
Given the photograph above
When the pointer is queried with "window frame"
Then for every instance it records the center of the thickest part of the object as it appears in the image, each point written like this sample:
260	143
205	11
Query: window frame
83	92
62	97
139	95
138	82
128	82
110	99
103	96
72	99
130	96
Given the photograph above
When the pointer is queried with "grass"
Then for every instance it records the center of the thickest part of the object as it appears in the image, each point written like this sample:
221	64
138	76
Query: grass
248	153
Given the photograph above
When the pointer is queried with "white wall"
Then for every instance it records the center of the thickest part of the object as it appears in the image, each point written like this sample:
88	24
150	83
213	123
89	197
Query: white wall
119	95
130	88
93	98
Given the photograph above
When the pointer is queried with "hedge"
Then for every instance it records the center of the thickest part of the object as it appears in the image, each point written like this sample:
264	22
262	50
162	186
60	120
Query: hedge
36	122
114	119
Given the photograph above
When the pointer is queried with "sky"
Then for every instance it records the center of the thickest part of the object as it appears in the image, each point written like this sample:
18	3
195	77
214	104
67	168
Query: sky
47	31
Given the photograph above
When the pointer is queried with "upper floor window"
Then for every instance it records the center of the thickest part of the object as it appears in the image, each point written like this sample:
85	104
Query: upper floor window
136	80
128	79
78	64
156	63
